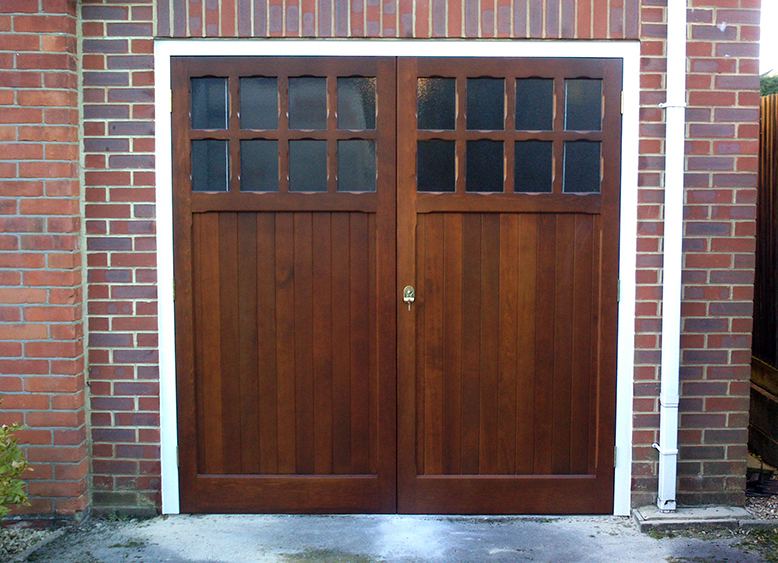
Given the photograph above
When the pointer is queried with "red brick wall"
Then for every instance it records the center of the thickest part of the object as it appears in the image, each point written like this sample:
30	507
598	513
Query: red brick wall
722	144
536	19
119	191
41	297
118	113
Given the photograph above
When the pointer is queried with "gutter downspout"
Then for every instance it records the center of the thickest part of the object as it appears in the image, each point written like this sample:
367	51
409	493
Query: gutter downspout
675	137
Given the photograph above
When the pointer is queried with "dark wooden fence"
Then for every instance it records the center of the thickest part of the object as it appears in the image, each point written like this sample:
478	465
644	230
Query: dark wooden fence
765	340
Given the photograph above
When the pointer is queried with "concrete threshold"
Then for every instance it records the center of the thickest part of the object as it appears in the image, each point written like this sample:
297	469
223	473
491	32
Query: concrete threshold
651	519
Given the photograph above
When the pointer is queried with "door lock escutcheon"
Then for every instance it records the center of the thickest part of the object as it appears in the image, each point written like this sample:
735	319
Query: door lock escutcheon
409	295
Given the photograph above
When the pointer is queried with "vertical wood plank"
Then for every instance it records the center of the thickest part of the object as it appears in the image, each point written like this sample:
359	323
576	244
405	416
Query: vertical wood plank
360	354
433	350
303	343
421	321
267	343
508	315
210	369
544	343
247	342
599	353
374	397
526	367
452	360
341	365
471	343
322	342
563	338
490	341
229	338
585	335
285	342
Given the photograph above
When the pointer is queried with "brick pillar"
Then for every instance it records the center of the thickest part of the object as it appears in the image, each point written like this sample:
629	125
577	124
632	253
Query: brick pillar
119	185
41	297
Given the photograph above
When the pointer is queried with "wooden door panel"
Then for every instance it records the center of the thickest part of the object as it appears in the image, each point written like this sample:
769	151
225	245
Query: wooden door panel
469	306
285	308
507	399
305	352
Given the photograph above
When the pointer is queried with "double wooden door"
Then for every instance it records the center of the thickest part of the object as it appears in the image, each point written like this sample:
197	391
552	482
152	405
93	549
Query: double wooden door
310	196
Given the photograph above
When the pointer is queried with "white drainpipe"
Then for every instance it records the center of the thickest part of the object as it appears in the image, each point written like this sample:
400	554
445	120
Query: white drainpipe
675	136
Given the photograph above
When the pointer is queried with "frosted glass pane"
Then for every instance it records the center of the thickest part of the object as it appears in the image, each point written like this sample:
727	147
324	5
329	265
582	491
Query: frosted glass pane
308	166
258	103
436	103
356	103
485	166
485	104
356	166
534	104
435	162
307	103
583	105
582	167
209	103
259	166
210	165
533	166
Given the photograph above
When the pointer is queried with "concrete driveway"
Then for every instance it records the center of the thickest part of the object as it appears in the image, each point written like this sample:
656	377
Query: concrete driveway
386	539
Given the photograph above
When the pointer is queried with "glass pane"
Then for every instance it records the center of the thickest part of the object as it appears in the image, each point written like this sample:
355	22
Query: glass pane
485	103
582	167
308	166
533	166
307	103
436	99
258	103
485	166
356	166
356	103
209	103
210	165
583	105
259	166
435	165
534	104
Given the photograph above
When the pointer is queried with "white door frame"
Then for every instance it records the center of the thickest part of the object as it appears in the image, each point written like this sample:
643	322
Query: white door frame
629	52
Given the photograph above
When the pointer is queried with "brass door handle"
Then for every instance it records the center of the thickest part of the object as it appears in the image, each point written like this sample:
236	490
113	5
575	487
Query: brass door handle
409	295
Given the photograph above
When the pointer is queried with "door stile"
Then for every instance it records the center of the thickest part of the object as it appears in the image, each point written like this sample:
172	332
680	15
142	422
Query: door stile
406	275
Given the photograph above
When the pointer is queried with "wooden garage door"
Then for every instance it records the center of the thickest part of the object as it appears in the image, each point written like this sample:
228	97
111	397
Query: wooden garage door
508	199
308	194
285	269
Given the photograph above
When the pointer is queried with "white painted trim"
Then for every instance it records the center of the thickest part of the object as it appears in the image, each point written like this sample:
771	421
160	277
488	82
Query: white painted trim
167	337
628	233
629	52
